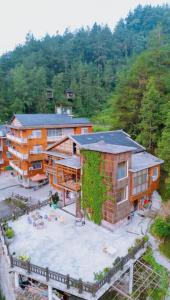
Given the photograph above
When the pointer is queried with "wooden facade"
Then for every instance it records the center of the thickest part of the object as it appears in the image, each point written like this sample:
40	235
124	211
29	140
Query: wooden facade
26	146
5	156
123	196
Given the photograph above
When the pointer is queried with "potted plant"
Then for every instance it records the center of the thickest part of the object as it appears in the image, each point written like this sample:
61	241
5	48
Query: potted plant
9	233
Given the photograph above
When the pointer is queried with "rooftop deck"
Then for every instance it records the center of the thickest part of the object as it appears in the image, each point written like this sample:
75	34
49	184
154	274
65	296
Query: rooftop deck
68	249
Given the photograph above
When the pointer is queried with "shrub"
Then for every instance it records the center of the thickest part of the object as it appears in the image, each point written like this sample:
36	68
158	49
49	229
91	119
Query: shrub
161	227
100	275
9	233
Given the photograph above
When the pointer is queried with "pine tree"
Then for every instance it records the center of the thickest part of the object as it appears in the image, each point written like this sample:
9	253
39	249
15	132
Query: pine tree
164	153
150	116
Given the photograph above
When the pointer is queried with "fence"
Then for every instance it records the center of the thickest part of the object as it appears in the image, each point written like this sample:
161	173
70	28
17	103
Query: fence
24	211
67	280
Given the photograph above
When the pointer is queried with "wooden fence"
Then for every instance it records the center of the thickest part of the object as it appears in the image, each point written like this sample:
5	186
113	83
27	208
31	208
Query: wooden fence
24	211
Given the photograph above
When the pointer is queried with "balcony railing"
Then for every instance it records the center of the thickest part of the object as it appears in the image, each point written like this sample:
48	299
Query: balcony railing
14	165
70	185
35	151
54	138
35	136
16	139
50	170
17	153
1	161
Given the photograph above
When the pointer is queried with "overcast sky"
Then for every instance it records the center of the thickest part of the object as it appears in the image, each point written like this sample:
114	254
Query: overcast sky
18	17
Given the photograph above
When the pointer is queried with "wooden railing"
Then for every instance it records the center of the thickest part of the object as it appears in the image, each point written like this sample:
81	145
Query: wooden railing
67	280
24	211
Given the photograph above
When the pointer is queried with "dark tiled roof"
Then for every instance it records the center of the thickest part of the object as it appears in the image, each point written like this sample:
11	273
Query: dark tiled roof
48	119
117	137
144	160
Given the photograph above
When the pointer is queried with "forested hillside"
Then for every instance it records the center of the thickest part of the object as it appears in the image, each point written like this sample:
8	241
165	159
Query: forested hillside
120	77
87	61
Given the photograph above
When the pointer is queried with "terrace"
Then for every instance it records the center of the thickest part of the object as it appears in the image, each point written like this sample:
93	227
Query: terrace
66	248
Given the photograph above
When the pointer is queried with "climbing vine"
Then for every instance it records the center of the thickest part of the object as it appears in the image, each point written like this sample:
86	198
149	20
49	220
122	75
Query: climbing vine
93	187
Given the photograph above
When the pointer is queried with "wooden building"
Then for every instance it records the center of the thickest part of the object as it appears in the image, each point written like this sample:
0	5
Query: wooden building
5	155
132	173
30	134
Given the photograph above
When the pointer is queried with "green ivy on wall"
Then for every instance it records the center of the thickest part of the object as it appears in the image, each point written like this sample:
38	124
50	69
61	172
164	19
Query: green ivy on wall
94	189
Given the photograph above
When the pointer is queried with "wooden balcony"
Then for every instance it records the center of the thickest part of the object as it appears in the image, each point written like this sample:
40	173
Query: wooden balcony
18	154
16	139
70	185
16	166
50	169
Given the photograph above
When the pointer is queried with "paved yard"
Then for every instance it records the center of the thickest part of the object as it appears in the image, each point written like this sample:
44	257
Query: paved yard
69	249
9	185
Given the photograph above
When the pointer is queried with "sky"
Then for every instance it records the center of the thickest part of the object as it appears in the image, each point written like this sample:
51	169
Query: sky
18	17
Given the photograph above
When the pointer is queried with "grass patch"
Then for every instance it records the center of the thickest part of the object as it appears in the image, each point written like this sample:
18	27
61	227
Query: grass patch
164	248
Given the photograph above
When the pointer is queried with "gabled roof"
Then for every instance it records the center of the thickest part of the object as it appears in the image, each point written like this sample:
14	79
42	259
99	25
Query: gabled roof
116	137
113	141
144	160
31	120
108	148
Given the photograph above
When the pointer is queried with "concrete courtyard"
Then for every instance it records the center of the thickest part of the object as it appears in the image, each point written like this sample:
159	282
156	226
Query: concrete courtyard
70	249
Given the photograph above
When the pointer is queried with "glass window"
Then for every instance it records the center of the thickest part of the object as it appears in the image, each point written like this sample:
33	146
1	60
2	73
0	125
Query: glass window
8	154
155	174
121	194
37	165
54	179
54	132
122	170
84	130
36	133
140	182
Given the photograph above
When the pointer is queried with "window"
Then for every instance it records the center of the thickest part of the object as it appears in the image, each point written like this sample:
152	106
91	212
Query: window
121	195
36	134
54	179
74	148
84	130
122	170
36	165
155	174
37	149
140	182
8	154
54	132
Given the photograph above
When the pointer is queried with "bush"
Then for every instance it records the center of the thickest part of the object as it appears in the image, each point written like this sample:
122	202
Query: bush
100	275
161	227
9	233
55	198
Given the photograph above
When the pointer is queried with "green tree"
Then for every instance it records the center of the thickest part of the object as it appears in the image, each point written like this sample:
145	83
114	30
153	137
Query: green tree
150	116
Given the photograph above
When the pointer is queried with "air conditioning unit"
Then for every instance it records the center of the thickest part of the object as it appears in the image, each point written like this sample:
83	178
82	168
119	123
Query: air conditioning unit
31	168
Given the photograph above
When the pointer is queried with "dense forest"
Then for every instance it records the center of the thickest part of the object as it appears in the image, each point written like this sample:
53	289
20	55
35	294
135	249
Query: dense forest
120	77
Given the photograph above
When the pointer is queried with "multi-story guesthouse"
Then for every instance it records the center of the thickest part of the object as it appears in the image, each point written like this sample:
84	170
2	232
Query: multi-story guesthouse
30	134
5	155
107	174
